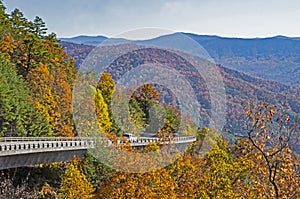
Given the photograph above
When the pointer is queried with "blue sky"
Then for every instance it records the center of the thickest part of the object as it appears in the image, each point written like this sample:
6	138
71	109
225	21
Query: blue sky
231	18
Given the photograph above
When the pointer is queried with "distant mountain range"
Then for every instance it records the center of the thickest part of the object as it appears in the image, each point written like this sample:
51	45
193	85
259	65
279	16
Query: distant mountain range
275	58
86	40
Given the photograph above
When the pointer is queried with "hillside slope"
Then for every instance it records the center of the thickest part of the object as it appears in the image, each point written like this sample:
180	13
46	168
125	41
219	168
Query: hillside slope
239	86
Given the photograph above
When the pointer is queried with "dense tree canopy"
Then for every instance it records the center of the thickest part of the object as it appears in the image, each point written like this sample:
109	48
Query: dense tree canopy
48	72
18	116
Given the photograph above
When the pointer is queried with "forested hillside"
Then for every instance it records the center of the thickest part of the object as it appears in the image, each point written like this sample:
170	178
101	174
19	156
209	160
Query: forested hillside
43	74
239	86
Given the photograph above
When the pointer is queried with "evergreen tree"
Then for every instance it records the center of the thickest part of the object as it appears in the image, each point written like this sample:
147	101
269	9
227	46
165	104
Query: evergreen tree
18	116
39	27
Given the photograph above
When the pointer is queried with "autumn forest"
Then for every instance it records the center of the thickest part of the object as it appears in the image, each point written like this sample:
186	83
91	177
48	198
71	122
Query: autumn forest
256	154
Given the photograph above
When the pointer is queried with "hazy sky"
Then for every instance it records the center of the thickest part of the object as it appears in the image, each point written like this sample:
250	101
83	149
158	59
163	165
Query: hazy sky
233	18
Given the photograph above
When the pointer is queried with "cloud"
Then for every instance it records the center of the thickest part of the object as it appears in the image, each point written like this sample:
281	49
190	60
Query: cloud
227	18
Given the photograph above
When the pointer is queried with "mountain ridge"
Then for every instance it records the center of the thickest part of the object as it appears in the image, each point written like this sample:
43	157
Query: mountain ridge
272	58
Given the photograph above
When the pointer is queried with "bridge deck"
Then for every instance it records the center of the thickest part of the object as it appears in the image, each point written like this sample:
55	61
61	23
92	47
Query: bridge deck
25	151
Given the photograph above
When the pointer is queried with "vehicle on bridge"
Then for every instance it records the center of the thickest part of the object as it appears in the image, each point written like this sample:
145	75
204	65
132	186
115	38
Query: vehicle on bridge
130	137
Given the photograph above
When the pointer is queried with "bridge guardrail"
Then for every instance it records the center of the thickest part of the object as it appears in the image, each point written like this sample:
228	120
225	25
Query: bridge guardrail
54	139
12	148
23	144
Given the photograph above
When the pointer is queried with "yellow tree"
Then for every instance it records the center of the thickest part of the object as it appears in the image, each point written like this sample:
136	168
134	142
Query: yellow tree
265	140
135	180
41	82
74	183
183	172
220	173
63	97
156	184
214	174
101	110
107	87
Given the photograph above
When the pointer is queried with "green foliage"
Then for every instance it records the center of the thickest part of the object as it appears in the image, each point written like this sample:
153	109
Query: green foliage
19	22
146	95
4	22
174	120
18	117
39	27
95	171
107	87
121	122
136	113
47	70
221	172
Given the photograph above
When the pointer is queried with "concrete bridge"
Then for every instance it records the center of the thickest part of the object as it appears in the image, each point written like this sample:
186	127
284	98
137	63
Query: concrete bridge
27	151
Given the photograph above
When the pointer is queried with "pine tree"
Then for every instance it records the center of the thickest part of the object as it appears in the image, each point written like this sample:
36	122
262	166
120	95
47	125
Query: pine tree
39	27
18	116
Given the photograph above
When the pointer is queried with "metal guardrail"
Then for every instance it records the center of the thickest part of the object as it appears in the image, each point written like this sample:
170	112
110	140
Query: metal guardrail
25	145
15	151
156	139
53	139
90	139
19	145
